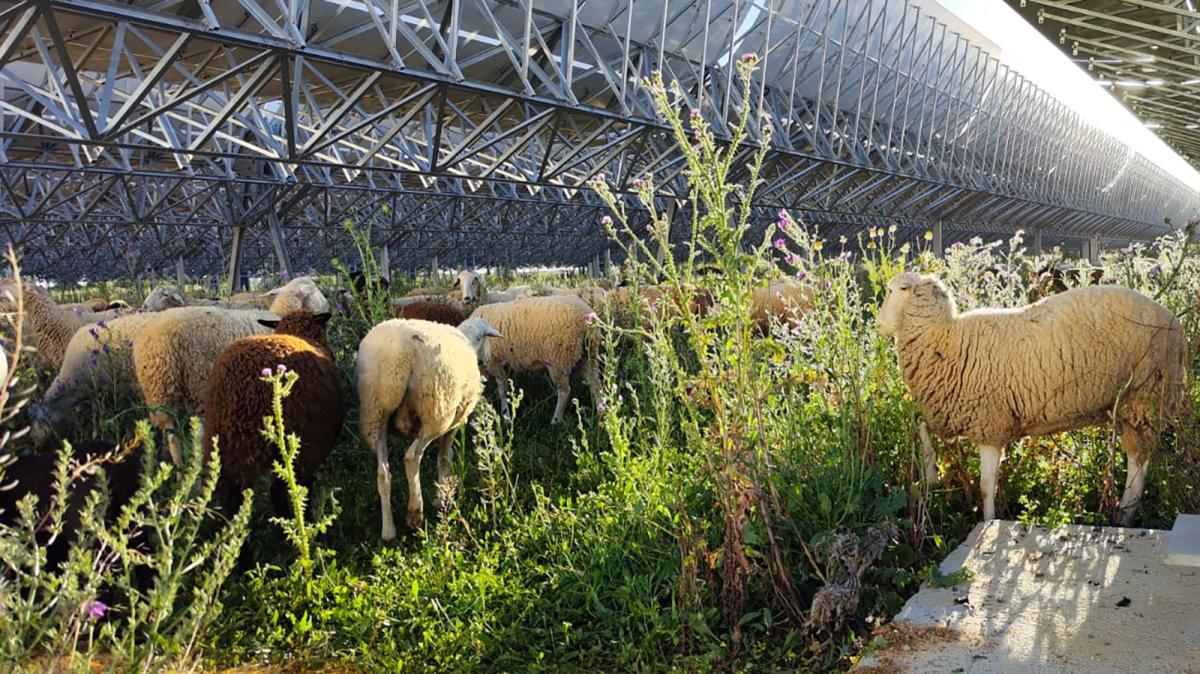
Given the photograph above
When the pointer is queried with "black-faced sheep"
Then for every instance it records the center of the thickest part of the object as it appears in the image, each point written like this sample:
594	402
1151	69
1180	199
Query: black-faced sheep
1067	362
237	401
421	379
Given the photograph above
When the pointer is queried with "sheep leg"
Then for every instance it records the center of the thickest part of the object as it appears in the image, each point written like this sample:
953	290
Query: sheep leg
990	457
562	384
1135	482
383	479
412	470
445	459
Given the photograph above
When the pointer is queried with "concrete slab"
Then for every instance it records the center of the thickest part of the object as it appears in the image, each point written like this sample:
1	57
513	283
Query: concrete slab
1065	601
1183	543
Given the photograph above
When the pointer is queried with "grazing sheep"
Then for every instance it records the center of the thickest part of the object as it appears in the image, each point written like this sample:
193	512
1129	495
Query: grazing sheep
421	379
34	474
94	305
472	290
91	346
541	333
1051	280
779	301
426	291
436	312
50	326
358	281
1067	362
236	403
163	298
174	352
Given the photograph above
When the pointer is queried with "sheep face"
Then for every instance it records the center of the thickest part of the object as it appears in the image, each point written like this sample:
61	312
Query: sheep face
900	290
470	284
478	332
163	298
301	294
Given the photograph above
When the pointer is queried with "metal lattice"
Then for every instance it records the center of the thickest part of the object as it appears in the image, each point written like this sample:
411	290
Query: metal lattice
244	132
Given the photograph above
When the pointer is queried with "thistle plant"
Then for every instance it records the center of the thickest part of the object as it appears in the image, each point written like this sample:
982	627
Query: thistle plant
298	530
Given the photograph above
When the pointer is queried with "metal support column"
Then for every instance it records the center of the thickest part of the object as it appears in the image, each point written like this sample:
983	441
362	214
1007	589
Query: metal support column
280	243
180	279
608	266
1035	247
1093	250
385	264
936	245
237	247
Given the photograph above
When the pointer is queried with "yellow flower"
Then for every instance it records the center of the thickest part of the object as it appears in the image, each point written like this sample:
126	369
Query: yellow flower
929	235
818	245
871	245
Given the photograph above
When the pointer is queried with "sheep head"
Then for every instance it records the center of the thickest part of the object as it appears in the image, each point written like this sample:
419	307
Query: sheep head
909	291
301	294
471	285
304	324
163	298
477	331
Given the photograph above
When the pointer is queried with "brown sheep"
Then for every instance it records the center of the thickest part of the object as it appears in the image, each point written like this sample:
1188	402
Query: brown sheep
436	312
236	403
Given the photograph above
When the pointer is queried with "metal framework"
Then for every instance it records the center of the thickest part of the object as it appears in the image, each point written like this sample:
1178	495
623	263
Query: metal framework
1147	52
241	134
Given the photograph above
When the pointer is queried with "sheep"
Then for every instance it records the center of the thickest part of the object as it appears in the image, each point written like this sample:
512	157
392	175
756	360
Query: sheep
120	305
779	301
163	298
426	291
236	403
81	357
1066	362
472	290
437	312
174	352
95	304
1052	279
50	326
35	474
421	379
549	333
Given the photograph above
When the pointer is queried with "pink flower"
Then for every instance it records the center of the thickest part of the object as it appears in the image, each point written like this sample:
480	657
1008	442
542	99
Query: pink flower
266	372
590	317
695	113
97	609
780	243
606	221
637	183
749	57
281	368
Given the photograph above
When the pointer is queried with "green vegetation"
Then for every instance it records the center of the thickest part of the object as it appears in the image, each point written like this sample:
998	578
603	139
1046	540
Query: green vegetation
733	501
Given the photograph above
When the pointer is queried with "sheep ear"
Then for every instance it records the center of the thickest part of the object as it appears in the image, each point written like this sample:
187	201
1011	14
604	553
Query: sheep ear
489	331
177	297
266	322
457	282
322	318
905	285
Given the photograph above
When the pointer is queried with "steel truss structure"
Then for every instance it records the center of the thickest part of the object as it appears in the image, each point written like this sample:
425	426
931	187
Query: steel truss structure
245	132
1147	52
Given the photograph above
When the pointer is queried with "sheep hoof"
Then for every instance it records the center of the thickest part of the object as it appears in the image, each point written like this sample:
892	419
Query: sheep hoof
389	534
414	519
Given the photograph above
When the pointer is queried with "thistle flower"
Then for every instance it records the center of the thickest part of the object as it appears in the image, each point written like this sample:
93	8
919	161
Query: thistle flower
607	221
281	368
597	179
749	58
801	274
266	372
590	317
780	244
695	113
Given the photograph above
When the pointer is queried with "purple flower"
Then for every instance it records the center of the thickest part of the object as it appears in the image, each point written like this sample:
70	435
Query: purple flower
600	406
637	183
780	244
847	255
95	352
801	275
547	362
597	179
748	57
590	317
100	324
695	113
266	372
104	348
281	368
782	224
95	335
828	284
97	609
790	259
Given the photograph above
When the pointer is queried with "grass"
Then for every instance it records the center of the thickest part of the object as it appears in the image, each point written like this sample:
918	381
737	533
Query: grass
706	512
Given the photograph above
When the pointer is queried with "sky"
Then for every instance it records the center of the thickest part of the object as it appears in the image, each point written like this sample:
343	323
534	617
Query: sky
1026	50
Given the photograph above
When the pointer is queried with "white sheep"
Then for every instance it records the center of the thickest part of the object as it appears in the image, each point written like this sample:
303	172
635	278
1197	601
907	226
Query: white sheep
1067	362
541	333
163	298
50	326
174	352
423	380
472	290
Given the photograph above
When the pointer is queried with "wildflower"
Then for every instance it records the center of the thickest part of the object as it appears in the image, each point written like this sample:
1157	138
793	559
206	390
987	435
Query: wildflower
846	255
637	183
783	214
597	180
929	235
749	58
870	245
281	368
387	210
892	229
695	113
607	221
266	372
791	259
104	348
95	352
95	335
620	398
801	274
780	244
828	284
842	239
97	609
600	406
547	362
100	324
590	317
818	245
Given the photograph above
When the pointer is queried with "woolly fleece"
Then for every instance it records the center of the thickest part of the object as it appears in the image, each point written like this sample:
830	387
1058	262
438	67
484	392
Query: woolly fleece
237	401
437	312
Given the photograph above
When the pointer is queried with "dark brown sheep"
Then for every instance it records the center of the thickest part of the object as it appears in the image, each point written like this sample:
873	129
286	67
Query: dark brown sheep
34	474
436	312
237	401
